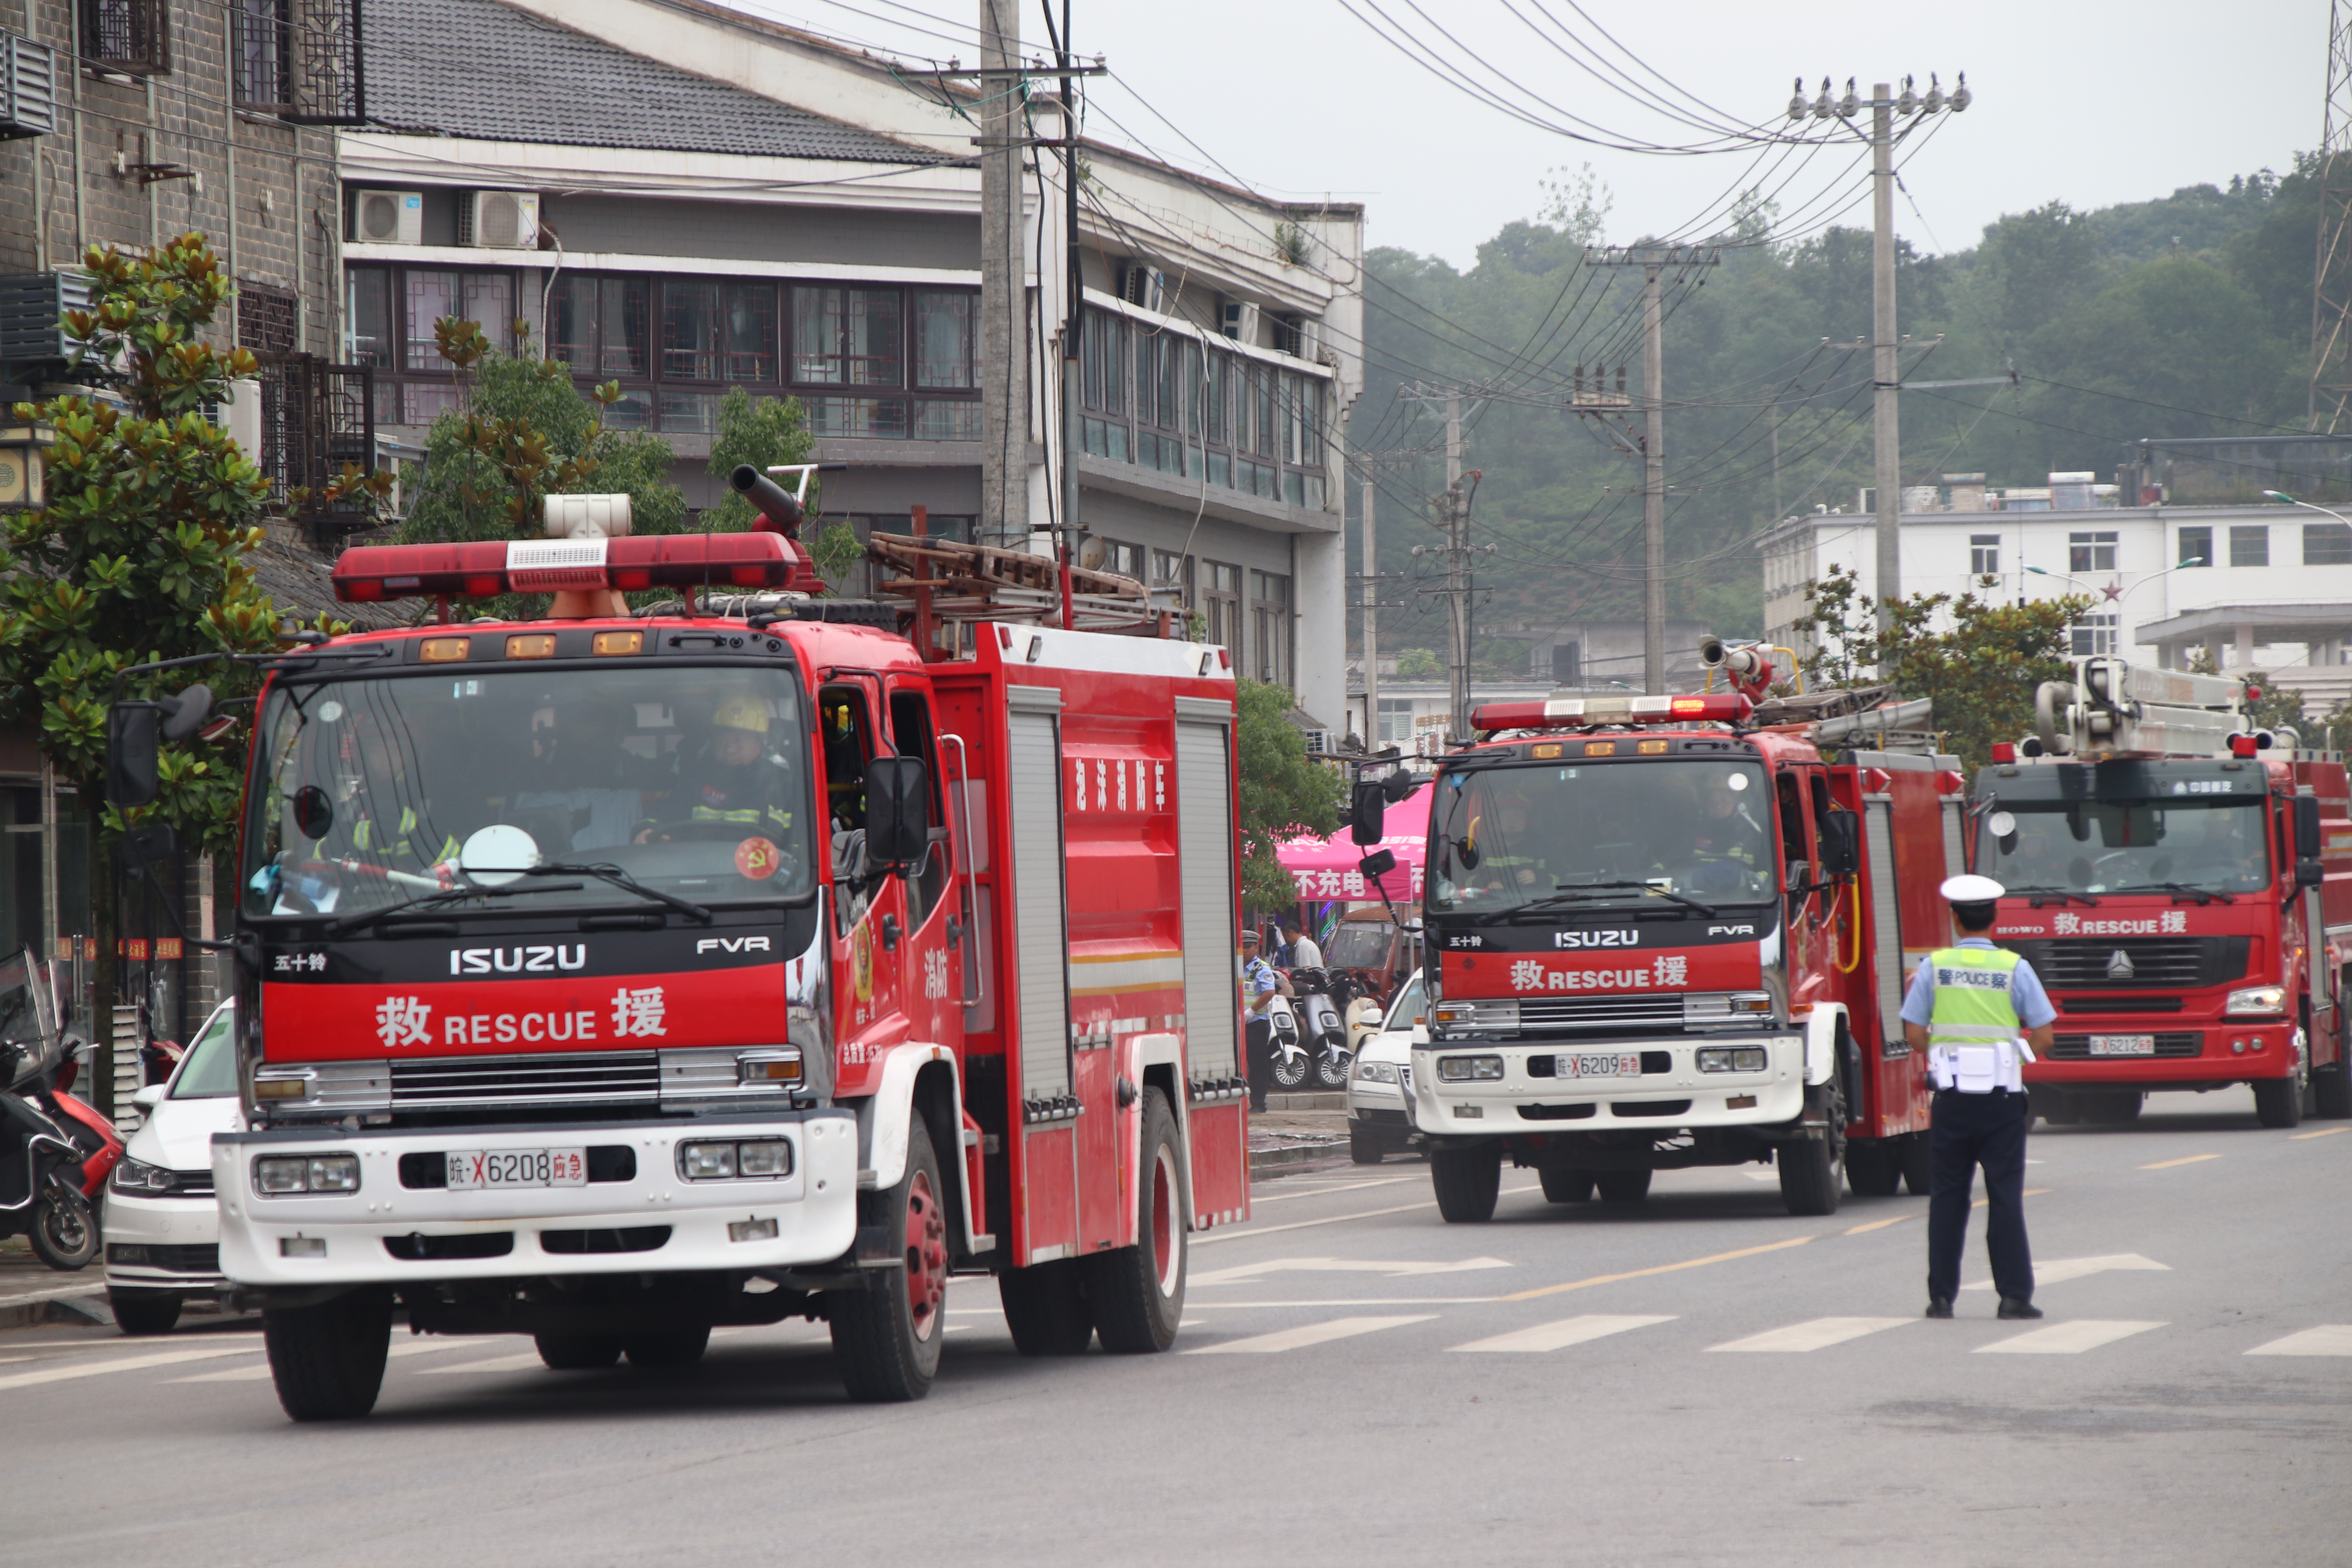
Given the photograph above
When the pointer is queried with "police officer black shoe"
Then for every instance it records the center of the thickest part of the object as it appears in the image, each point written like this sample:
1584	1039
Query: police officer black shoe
2016	1307
1940	1306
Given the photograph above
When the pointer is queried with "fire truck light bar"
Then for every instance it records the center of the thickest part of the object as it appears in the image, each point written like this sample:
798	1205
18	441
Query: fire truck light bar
482	569
1728	707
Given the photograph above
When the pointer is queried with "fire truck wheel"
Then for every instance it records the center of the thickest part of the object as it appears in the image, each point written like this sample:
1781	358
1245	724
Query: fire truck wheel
1810	1176
144	1312
1872	1167
676	1347
1045	1307
2057	1106
1562	1185
2278	1101
578	1352
2113	1108
1138	1291
1914	1157
328	1360
1366	1145
2331	1087
1468	1182
886	1340
1622	1186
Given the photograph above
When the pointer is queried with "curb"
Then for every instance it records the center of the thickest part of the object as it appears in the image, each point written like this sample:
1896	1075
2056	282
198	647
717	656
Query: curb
1295	1158
80	1304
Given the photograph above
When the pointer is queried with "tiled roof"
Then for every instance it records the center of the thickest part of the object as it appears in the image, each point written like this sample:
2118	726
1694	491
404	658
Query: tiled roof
478	69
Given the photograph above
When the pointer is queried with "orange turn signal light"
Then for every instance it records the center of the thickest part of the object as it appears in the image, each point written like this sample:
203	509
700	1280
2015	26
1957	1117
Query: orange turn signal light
445	651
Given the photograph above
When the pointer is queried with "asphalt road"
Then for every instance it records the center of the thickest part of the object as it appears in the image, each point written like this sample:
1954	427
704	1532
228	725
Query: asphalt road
1698	1379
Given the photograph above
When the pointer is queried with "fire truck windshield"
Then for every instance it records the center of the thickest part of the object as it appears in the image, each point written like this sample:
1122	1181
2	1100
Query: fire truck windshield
2212	843
1503	837
687	781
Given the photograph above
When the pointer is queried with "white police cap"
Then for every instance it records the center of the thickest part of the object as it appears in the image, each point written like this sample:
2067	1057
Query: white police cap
1971	889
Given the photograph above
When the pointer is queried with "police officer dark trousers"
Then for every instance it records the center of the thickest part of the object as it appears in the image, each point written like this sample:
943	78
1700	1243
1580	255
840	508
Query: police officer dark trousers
1967	1007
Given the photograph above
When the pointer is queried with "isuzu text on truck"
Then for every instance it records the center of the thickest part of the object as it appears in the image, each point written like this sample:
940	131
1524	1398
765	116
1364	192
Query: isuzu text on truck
2182	884
1663	934
609	977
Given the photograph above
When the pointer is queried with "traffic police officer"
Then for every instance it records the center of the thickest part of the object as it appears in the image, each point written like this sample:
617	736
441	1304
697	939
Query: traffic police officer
1965	1009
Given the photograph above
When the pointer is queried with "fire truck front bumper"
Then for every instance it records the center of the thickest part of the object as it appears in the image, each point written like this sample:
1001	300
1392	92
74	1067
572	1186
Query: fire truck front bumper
2167	1052
330	1207
1473	1087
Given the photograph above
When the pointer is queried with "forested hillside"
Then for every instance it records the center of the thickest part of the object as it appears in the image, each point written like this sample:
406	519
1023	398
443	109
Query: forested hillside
2189	315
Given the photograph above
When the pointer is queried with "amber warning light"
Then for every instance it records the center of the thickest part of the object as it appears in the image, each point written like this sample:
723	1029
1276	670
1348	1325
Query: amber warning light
1726	707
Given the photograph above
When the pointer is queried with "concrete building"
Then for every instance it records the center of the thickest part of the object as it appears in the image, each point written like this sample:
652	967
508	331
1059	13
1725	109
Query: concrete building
685	198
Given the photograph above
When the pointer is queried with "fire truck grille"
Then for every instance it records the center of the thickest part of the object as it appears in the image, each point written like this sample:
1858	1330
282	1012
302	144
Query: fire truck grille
1602	1013
614	1078
2136	963
2176	1043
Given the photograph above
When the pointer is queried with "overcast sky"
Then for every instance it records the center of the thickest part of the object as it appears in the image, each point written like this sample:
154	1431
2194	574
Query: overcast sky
2085	102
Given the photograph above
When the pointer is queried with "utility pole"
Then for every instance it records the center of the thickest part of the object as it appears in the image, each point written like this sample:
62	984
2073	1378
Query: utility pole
1371	622
1654	261
2331	279
1071	315
1458	596
1004	294
1886	382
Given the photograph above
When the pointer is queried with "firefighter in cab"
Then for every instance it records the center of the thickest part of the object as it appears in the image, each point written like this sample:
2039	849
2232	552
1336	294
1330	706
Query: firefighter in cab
734	779
1981	1014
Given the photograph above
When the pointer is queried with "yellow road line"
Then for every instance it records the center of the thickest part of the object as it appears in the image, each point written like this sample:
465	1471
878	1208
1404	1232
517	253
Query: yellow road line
2028	1192
1661	1268
2323	1132
2184	1159
1879	1224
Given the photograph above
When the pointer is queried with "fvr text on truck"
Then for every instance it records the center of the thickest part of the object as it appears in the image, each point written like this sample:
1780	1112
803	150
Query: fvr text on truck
1668	931
2182	883
609	977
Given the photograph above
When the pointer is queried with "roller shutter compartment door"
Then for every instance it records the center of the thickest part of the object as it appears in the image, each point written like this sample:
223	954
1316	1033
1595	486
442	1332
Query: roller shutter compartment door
1955	855
1204	806
1034	794
1885	917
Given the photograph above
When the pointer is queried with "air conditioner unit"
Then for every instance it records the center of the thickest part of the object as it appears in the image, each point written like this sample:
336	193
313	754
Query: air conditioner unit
239	414
499	220
388	217
1289	336
1238	321
1139	284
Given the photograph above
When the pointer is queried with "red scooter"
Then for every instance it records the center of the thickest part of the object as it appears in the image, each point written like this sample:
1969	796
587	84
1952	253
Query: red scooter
56	1151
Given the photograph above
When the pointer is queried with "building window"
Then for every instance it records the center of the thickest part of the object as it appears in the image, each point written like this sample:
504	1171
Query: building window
944	338
2327	544
2196	547
2090	553
265	319
298	59
718	332
1396	720
1567	664
2249	544
127	38
1221	606
2095	634
1172	574
847	337
1984	554
1270	628
367	317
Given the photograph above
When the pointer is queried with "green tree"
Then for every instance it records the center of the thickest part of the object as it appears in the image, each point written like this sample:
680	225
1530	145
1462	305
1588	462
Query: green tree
1283	794
764	432
1979	660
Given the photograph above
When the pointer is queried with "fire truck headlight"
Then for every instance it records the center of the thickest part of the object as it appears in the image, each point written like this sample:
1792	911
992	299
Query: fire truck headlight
278	1175
769	1157
282	1085
1470	1069
1732	1058
335	1173
706	1161
2257	999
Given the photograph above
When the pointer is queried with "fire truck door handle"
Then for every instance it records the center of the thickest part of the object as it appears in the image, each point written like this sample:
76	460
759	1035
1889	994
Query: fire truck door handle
955	932
890	933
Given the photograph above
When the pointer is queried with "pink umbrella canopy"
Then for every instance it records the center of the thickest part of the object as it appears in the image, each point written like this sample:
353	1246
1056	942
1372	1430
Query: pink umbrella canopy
1326	868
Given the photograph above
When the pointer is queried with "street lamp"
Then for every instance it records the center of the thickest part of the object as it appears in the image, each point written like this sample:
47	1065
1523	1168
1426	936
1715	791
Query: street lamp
2282	495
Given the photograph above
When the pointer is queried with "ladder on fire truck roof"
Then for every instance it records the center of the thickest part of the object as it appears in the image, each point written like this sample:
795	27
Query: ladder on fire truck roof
1855	718
956	583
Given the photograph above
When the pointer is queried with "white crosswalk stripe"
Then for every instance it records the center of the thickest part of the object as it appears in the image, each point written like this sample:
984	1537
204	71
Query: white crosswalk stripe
1818	1335
261	1372
494	1363
79	1368
1308	1334
2327	1339
2069	1339
1557	1336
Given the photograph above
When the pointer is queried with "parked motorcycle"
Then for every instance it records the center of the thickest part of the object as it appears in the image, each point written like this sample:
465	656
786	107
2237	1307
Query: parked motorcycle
1321	993
45	1145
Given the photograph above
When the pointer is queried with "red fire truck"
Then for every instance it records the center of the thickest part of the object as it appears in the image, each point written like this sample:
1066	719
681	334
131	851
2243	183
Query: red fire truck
2182	884
1668	931
612	976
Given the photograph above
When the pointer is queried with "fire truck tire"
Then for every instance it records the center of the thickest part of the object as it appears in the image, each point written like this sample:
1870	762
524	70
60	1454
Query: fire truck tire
2119	1108
1622	1186
1045	1307
886	1339
2331	1087
1468	1182
1872	1167
578	1352
328	1360
676	1347
2056	1105
1366	1145
1563	1185
1913	1158
1810	1176
1138	1291
144	1312
2278	1101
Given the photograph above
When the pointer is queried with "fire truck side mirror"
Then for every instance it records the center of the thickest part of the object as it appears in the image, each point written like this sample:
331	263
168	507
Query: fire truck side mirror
1841	844
1367	812
133	738
898	811
2308	842
1377	864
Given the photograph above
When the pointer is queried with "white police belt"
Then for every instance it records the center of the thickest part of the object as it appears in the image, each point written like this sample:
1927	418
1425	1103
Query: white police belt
1979	1066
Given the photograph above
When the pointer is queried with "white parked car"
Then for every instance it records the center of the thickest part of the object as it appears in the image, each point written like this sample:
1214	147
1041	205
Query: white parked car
162	1221
1380	1109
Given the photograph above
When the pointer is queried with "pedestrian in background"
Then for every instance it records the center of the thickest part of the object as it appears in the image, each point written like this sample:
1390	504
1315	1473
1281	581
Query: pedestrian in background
1299	949
1965	1009
1259	986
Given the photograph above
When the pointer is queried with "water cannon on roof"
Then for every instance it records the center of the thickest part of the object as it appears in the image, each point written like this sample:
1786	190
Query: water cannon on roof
2113	707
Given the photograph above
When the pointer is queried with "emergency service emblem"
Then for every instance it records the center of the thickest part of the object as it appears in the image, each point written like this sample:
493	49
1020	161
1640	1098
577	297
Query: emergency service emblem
861	960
